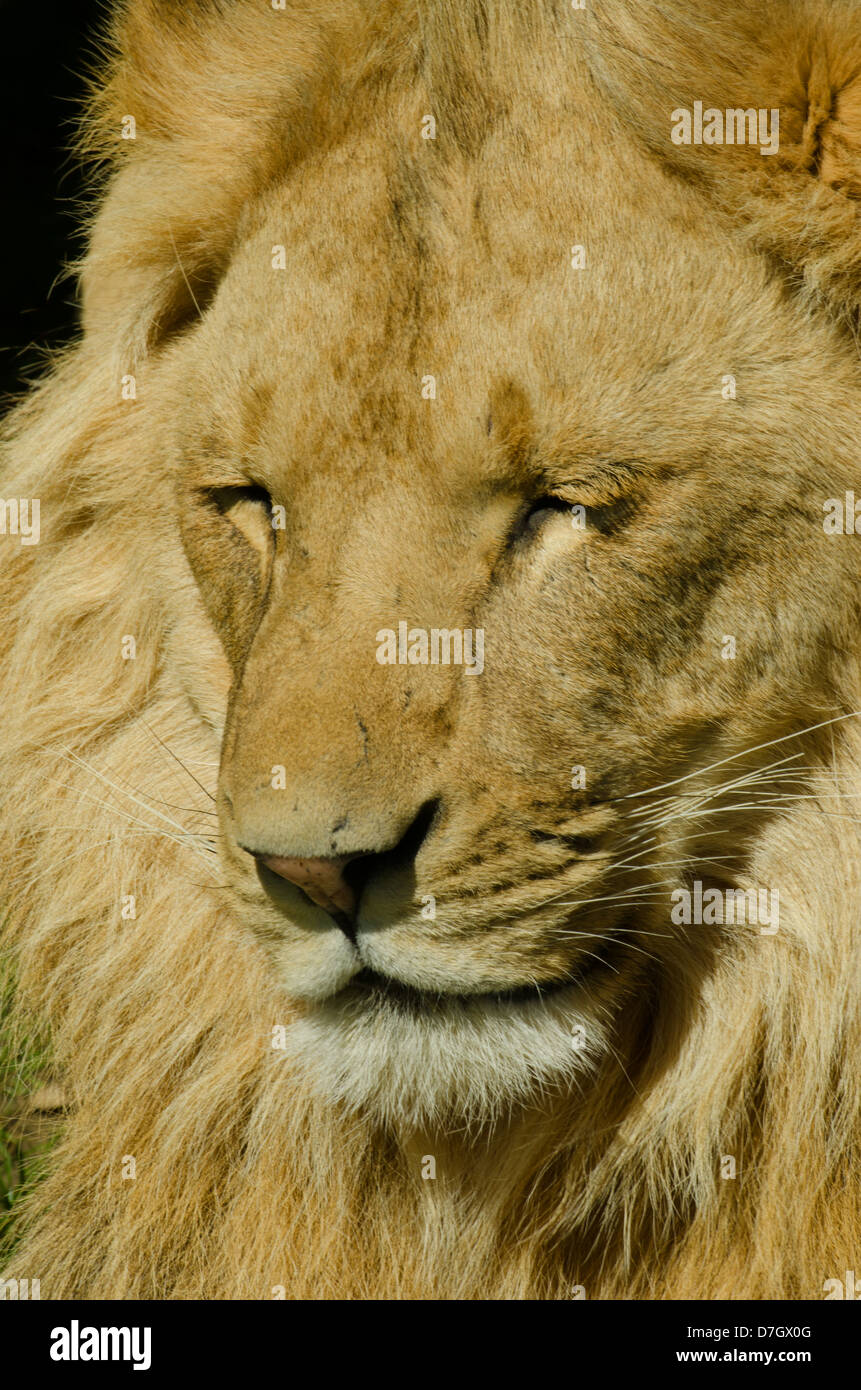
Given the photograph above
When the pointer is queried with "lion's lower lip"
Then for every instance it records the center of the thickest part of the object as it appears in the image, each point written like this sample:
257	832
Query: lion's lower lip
370	981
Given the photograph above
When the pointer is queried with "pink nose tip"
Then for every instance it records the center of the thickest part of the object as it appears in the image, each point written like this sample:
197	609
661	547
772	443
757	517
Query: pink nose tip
321	879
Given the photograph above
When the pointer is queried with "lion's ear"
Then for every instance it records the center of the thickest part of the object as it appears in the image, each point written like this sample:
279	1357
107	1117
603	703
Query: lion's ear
794	196
199	105
840	135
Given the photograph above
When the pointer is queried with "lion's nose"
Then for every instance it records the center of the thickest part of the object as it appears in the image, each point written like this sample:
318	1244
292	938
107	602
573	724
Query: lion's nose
336	882
322	880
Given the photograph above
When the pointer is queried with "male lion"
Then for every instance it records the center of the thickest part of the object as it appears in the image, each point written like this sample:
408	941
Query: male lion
430	739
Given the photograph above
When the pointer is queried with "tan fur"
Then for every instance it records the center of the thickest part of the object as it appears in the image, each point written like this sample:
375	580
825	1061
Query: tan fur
260	1168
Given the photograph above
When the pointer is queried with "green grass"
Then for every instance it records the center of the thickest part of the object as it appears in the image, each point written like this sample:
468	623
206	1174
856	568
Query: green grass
24	1062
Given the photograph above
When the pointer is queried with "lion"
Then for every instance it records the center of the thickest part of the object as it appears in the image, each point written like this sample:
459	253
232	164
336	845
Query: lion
411	331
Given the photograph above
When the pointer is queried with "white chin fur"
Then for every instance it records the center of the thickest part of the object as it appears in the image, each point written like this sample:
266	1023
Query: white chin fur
467	1059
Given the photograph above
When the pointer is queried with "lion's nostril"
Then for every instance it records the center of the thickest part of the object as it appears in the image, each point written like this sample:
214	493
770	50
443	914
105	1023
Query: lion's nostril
321	880
336	882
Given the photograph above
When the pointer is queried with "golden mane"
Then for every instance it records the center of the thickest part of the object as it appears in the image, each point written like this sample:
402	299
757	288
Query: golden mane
246	1185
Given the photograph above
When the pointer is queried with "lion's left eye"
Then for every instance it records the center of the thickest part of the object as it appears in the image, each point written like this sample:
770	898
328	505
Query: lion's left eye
605	517
543	510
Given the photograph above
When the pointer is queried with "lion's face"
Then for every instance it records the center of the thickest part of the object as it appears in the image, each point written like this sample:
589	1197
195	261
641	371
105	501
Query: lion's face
640	553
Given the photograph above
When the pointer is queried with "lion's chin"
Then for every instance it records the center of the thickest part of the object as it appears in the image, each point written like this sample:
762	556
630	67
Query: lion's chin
413	1061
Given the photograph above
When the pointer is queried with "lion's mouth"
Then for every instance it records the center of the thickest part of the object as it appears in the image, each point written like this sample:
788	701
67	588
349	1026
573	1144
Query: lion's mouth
385	987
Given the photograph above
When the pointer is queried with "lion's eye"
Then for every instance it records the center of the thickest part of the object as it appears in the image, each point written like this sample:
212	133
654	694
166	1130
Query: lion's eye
605	518
248	507
543	511
226	498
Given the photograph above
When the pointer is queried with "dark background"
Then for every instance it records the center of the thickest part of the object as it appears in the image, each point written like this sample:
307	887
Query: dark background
45	48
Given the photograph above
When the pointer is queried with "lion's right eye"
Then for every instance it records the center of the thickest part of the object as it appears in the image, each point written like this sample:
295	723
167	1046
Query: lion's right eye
248	508
229	537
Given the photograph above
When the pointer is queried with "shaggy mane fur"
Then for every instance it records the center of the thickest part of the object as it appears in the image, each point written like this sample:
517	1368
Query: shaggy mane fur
246	1184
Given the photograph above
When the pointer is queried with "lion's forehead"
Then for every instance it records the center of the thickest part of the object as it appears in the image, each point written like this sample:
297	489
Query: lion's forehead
385	285
381	242
387	298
